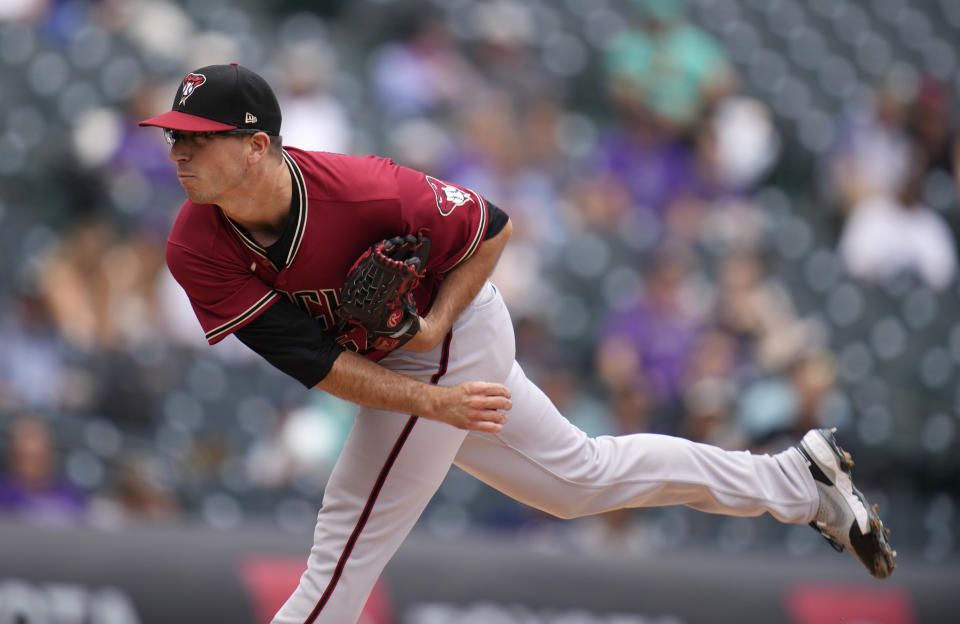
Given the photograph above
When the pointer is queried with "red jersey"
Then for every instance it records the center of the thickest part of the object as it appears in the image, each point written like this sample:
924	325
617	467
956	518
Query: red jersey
346	204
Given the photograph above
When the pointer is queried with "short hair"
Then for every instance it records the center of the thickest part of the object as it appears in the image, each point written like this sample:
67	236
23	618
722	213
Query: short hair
276	145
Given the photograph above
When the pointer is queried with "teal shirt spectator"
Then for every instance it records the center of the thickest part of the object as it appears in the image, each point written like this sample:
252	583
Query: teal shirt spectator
670	64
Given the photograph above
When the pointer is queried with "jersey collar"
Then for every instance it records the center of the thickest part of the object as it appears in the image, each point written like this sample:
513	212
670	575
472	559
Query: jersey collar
300	187
297	219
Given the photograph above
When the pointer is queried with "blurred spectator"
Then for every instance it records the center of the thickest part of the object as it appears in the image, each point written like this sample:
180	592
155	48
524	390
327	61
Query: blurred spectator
76	288
632	409
313	117
300	443
488	146
161	29
134	164
709	415
777	409
710	389
32	486
890	234
653	340
684	217
931	126
138	493
100	286
733	223
736	145
653	167
598	203
667	66
23	9
506	40
32	369
714	358
873	152
270	463
534	186
759	314
422	72
936	140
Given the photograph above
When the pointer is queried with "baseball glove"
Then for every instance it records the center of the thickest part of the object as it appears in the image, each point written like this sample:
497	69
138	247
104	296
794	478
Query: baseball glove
377	293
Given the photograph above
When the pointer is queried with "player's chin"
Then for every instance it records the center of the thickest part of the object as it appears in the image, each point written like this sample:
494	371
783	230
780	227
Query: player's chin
194	192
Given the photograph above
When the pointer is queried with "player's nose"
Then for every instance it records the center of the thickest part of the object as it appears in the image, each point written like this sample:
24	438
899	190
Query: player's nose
179	153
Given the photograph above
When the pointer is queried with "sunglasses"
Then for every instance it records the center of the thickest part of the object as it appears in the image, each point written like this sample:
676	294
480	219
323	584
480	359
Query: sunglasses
172	136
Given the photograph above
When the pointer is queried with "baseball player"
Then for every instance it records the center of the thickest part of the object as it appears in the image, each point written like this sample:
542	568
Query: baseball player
296	253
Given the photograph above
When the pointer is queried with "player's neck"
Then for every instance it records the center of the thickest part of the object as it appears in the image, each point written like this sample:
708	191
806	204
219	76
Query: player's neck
262	205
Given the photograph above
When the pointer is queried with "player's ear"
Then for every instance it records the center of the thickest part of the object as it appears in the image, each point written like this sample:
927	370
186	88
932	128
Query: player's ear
259	146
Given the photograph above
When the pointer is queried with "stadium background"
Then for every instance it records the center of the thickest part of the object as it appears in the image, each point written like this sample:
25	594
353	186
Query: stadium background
686	260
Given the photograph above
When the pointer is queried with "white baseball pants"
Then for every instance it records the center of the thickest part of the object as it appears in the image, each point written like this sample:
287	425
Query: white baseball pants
392	464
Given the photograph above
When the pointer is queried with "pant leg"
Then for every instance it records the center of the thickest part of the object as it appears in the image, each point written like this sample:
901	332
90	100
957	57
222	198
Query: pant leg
543	460
390	467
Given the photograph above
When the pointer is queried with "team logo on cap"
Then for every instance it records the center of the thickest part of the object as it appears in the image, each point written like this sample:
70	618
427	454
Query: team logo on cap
190	84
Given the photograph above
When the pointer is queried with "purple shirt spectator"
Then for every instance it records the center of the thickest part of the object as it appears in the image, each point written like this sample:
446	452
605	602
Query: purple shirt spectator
31	487
654	172
660	328
57	502
663	340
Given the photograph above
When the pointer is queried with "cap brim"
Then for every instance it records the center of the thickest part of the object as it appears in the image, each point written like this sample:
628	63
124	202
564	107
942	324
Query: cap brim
175	120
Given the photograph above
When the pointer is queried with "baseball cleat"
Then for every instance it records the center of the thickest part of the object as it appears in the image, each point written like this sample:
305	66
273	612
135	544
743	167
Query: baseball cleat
845	518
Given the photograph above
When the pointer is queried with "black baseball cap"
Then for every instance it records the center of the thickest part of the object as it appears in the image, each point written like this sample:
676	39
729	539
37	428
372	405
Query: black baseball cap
221	97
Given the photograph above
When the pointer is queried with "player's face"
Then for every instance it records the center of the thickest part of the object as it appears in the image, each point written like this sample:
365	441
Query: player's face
209	165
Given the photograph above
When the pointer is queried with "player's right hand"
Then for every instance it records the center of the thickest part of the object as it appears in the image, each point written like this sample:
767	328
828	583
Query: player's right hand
472	405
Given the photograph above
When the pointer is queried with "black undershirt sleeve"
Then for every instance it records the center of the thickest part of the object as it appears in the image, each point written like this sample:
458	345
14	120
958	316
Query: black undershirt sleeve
498	219
292	341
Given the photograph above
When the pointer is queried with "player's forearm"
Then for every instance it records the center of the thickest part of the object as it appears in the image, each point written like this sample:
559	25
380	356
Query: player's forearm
357	379
475	406
462	284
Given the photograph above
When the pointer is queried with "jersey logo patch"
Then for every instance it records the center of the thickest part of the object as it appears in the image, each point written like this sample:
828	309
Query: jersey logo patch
448	196
190	84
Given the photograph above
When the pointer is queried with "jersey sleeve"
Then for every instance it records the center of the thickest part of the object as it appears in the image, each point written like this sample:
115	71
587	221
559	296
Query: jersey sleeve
454	217
293	342
225	294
